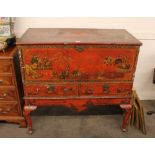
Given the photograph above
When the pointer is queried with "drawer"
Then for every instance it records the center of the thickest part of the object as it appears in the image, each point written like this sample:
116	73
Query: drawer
6	80
105	89
51	90
8	94
9	109
5	67
78	104
68	63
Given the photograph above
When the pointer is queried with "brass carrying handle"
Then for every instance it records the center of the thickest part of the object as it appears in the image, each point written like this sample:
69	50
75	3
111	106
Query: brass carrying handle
4	95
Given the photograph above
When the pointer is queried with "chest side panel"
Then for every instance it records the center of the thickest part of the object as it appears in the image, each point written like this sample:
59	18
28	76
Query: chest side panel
78	63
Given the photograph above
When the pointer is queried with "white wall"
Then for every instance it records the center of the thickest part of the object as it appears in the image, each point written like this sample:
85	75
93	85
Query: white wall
142	28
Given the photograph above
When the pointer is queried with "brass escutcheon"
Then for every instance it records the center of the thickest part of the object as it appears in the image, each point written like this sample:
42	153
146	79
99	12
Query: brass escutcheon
79	48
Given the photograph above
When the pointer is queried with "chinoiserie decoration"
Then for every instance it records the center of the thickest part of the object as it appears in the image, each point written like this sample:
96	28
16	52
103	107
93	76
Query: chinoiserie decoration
79	76
7	37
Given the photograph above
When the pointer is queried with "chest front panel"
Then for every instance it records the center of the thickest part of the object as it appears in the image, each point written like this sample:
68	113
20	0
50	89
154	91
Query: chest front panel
78	63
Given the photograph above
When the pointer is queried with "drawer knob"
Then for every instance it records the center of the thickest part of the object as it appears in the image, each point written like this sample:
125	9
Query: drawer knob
1	81
8	109
3	96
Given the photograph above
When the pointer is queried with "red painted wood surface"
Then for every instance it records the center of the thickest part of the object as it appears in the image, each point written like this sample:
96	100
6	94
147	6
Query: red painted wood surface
77	104
68	64
76	89
105	89
50	90
74	36
77	68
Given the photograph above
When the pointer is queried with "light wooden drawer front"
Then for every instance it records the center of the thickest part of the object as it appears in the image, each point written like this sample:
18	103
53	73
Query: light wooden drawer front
8	94
6	80
105	89
5	67
51	90
9	110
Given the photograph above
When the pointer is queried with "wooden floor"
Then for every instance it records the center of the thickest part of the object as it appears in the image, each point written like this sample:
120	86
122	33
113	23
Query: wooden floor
95	126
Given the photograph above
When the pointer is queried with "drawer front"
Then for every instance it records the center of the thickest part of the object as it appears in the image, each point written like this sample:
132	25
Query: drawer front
8	94
6	80
5	67
78	104
51	90
78	63
105	89
9	110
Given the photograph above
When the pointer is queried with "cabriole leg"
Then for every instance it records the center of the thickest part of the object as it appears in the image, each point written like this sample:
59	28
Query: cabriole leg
127	112
27	110
22	124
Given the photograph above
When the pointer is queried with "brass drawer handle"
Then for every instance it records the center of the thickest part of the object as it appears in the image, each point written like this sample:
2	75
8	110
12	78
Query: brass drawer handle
4	95
50	89
4	112
122	91
67	90
89	91
36	92
106	88
79	48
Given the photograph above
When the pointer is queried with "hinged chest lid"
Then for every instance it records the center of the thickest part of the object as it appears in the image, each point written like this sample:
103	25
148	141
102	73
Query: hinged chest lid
77	36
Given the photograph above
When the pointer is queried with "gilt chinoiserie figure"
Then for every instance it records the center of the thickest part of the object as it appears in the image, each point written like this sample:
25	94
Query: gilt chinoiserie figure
77	67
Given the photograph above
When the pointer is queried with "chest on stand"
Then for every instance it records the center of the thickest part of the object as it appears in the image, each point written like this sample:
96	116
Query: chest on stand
77	76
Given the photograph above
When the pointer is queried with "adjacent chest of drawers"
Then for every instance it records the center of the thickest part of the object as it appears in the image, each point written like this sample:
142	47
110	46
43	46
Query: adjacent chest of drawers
10	83
77	68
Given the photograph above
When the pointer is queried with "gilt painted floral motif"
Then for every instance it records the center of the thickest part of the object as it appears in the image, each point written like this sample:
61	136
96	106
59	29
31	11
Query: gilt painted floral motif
68	64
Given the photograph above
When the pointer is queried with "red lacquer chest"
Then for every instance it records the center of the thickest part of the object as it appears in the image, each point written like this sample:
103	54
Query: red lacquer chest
77	67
